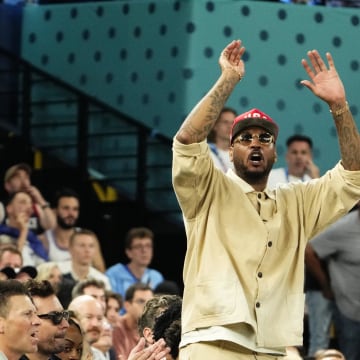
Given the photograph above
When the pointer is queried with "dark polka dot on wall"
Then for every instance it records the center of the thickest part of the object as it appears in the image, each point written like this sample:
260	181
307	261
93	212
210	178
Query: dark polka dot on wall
282	60
176	6
317	108
190	27
208	52
174	51
160	75
134	77
355	20
316	153
86	34
336	41
123	54
163	29
210	6
227	31
264	35
354	65
245	10
111	32
100	11
333	132
171	97
83	79
300	38
47	15
281	105
156	120
246	56
32	38
125	9
120	99
318	17
97	56
145	99
244	101
44	59
73	13
109	77
298	129
148	53
59	36
137	31
282	14
298	84
263	80
187	73
71	58
354	109
151	8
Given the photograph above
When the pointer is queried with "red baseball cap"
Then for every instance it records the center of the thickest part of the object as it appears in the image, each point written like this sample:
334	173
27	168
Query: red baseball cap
254	117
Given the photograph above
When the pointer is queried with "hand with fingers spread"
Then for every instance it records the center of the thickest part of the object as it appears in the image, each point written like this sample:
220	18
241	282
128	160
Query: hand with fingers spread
230	58
324	80
156	351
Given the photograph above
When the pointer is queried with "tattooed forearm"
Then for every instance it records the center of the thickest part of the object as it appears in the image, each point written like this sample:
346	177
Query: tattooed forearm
349	141
200	121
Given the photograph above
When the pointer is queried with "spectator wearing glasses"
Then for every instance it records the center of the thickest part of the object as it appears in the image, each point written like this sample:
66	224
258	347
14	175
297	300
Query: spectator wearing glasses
219	141
19	324
54	321
125	332
244	266
139	244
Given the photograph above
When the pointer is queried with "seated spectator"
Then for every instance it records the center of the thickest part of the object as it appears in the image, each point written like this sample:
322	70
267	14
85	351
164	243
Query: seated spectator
114	302
82	248
17	233
73	342
19	321
92	287
105	342
17	178
90	314
125	333
57	240
11	265
139	243
50	271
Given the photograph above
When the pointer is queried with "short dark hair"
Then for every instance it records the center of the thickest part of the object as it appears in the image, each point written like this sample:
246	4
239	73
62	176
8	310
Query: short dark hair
130	292
299	137
9	288
168	327
82	285
13	195
114	295
65	192
137	232
153	308
42	289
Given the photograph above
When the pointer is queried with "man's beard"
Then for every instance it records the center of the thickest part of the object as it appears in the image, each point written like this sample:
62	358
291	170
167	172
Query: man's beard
64	225
252	177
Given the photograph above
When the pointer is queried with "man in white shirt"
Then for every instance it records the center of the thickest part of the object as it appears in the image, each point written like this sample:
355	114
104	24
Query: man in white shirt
300	166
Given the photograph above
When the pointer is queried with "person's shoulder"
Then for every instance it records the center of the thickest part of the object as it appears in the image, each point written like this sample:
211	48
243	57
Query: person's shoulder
114	269
154	273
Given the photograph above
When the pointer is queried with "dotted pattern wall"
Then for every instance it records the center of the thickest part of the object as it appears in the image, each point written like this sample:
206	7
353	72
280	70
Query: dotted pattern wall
153	60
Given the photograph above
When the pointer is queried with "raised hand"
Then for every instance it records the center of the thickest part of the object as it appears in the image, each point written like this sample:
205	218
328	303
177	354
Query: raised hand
324	80
230	58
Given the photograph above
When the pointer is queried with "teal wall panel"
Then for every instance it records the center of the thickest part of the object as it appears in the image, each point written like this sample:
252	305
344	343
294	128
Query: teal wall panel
153	60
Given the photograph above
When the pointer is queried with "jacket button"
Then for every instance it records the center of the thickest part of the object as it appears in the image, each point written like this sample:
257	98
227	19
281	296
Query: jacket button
270	244
257	304
260	274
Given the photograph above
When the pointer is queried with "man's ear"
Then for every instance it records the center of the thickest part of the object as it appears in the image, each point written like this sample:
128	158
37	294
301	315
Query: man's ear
148	335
